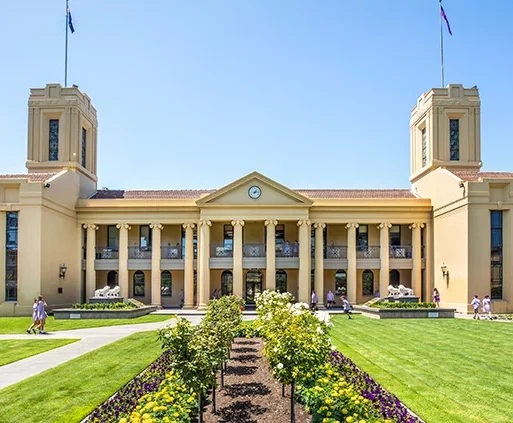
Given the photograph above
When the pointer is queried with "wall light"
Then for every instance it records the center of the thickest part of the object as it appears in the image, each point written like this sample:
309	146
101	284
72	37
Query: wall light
62	271
445	272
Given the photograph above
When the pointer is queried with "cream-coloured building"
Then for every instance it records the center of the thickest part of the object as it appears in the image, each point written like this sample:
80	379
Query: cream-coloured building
63	238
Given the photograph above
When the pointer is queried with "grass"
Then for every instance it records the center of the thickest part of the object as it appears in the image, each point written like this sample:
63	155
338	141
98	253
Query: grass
14	350
446	371
19	324
69	392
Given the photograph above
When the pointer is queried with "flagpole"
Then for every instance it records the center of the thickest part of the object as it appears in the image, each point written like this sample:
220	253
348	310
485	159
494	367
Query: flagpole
66	49
441	43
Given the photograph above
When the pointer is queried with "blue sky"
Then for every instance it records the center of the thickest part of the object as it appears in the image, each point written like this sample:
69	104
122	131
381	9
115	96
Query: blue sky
314	94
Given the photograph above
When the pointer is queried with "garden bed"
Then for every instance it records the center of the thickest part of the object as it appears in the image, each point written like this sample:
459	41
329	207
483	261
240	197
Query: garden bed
72	313
406	313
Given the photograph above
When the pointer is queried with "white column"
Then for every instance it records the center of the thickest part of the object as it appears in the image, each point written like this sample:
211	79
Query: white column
305	255
123	260
156	237
416	282
91	256
319	262
204	266
189	265
384	271
428	254
270	255
237	257
351	262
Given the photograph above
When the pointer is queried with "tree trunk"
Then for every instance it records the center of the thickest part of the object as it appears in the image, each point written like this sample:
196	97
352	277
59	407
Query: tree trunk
222	375
283	390
200	401
292	402
214	399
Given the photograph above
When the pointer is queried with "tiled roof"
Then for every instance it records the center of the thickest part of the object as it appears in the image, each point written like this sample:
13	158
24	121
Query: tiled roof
32	177
469	175
192	194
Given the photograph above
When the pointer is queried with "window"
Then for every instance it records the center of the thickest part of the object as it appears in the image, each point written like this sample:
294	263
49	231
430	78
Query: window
368	282
53	140
395	235
84	138
145	236
362	238
281	281
394	278
496	254
112	238
112	278
228	237
166	289
280	237
139	287
11	257
194	242
424	147
340	282
227	283
454	139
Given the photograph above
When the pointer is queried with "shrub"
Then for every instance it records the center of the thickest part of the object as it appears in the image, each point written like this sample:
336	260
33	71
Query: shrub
401	304
248	329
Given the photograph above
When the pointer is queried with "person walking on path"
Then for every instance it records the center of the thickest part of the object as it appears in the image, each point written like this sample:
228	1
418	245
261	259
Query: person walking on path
314	301
346	305
41	314
35	321
330	299
476	303
436	297
487	306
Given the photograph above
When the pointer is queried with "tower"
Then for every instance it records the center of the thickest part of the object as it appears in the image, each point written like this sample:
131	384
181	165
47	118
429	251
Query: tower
62	131
445	130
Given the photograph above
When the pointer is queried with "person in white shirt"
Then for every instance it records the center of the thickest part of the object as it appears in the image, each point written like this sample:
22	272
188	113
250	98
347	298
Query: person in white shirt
476	303
487	306
346	305
330	299
314	301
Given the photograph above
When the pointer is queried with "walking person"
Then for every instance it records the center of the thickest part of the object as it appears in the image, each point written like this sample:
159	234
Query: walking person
35	320
487	306
41	314
181	298
476	303
436	297
346	305
330	299
314	301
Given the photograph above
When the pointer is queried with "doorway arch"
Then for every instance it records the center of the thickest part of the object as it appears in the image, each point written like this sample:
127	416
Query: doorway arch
253	284
394	278
227	283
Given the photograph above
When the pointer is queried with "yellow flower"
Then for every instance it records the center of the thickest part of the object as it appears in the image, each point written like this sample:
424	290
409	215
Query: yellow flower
349	419
123	420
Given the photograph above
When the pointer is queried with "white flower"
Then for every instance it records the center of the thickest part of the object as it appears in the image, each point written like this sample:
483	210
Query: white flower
279	366
333	348
319	330
275	349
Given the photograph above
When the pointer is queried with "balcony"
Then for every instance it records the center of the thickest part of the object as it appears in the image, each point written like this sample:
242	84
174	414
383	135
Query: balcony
400	252
253	250
171	252
106	253
336	252
220	250
367	252
139	253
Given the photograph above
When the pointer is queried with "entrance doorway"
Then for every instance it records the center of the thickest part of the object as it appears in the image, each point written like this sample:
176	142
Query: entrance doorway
253	285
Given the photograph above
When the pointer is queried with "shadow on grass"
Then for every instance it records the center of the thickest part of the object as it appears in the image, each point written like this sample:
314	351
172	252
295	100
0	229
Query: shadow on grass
246	389
241	412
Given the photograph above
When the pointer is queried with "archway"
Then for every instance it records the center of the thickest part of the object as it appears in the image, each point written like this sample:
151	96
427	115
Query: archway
394	278
166	287
368	282
139	287
281	281
253	284
341	282
112	278
227	283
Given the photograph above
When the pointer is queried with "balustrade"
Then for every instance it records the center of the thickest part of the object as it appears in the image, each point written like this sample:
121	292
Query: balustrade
253	250
400	251
171	252
221	250
106	253
367	252
139	253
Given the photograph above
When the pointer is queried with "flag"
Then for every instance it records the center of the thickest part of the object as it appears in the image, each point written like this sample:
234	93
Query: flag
442	11
70	21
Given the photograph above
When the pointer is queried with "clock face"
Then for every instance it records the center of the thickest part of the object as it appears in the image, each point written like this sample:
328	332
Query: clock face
254	192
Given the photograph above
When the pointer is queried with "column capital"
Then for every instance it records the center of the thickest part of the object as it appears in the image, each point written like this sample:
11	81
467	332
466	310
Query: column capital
416	225
270	222
303	222
351	225
384	225
189	225
204	222
123	226
237	222
91	226
156	226
319	225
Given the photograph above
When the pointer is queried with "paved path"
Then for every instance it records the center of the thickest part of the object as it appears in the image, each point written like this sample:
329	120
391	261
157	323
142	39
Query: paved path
90	339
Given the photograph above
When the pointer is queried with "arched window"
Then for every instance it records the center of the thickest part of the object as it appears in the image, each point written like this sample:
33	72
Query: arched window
139	288
166	287
340	282
395	278
227	283
368	282
195	287
112	278
281	281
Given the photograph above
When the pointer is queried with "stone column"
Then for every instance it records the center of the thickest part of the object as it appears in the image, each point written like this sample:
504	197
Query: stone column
319	262
91	256
416	273
270	255
156	236
428	255
305	254
384	271
123	260
204	266
237	257
351	262
189	266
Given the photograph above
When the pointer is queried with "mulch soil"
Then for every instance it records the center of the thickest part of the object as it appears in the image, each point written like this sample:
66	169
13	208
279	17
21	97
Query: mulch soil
250	393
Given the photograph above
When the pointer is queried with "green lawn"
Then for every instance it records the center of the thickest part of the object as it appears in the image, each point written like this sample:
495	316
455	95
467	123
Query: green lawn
14	350
19	324
69	392
446	371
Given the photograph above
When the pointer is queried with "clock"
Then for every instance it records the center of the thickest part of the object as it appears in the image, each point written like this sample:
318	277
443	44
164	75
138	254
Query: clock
254	192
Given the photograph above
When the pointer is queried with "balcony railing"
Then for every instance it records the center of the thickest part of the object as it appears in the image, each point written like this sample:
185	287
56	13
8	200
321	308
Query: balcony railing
367	252
171	252
106	253
400	251
253	250
139	253
220	250
287	250
336	252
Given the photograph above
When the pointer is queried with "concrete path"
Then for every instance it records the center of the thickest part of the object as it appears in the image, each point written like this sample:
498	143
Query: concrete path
90	339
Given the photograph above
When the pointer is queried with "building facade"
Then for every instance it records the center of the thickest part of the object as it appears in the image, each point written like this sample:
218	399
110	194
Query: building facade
63	238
